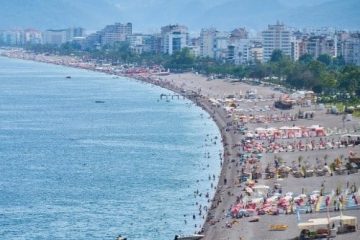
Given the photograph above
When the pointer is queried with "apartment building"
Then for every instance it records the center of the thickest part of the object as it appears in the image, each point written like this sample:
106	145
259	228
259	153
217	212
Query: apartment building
174	38
276	37
117	32
56	36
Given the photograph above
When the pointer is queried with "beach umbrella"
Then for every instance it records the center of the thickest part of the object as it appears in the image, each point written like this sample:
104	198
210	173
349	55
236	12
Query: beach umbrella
248	190
261	187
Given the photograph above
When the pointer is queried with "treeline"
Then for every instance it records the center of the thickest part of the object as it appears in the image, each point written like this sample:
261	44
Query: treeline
322	75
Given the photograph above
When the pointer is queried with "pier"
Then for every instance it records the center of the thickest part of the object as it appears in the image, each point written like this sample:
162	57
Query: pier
178	96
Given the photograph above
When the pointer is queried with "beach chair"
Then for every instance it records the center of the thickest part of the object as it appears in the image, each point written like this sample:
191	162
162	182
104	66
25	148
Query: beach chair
340	171
320	172
297	174
309	173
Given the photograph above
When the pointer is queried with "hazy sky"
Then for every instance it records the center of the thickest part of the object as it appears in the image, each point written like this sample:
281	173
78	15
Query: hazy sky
296	3
123	4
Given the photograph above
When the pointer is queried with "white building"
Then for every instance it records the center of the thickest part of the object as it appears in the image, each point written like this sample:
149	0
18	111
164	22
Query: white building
245	51
174	38
207	42
351	51
194	50
214	44
32	36
318	45
256	52
221	45
57	37
296	48
12	37
140	43
117	32
276	37
239	51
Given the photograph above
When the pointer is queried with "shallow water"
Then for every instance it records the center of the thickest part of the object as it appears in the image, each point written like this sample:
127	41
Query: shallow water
71	168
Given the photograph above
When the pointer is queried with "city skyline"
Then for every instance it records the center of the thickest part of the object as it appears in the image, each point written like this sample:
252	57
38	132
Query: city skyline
237	47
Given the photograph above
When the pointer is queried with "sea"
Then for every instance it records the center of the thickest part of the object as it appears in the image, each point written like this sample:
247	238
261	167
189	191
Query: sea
95	156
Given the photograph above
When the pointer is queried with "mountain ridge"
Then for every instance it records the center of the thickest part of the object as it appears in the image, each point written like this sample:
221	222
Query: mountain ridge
196	14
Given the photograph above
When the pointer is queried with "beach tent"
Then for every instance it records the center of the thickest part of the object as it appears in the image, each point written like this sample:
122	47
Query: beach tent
313	223
260	129
349	220
257	200
261	189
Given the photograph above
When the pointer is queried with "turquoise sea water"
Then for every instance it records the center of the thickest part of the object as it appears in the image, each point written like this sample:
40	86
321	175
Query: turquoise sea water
71	168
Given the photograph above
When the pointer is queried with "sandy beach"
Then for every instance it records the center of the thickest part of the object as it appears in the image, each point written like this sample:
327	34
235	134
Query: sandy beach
219	224
215	227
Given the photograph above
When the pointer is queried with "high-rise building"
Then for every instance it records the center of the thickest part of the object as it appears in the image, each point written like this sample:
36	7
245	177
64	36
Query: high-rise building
238	51
318	45
351	50
239	47
60	36
245	51
32	36
207	42
12	37
109	35
77	32
115	33
19	37
276	37
221	46
296	45
56	36
256	52
240	33
141	43
93	41
174	38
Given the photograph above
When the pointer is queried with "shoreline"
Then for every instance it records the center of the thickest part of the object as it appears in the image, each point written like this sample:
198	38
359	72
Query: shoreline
201	91
198	100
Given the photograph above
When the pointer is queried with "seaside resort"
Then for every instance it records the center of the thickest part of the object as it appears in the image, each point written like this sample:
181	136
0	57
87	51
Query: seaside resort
290	165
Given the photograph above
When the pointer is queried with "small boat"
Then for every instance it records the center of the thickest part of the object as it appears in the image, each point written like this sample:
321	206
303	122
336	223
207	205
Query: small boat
120	238
189	237
68	77
161	73
278	227
99	101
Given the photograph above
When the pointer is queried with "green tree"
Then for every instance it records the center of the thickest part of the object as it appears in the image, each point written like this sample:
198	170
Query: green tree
306	58
258	71
276	56
301	77
280	65
350	79
181	60
339	61
328	79
325	59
